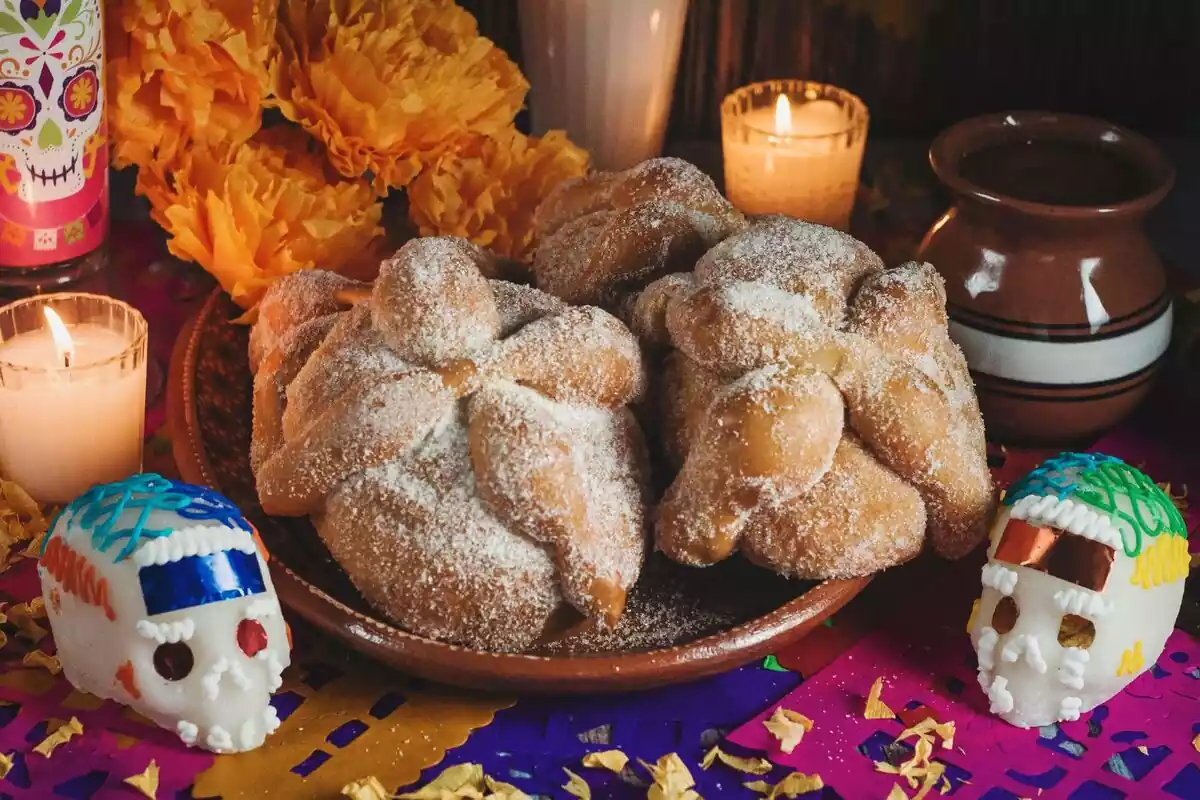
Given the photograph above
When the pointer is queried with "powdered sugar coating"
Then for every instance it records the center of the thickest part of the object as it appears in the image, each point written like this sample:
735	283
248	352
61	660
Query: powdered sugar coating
431	303
786	292
610	234
401	452
291	301
423	547
819	263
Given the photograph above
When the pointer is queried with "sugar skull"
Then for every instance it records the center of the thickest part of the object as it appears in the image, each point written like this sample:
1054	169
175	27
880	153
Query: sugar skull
159	597
51	97
1084	580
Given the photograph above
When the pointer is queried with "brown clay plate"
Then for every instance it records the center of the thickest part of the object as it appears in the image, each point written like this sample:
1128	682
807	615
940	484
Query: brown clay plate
680	623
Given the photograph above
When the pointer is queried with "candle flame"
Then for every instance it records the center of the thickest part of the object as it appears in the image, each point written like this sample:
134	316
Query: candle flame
62	337
783	116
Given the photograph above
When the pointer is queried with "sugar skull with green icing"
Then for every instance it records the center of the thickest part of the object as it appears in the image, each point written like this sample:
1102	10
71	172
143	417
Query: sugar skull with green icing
1084	579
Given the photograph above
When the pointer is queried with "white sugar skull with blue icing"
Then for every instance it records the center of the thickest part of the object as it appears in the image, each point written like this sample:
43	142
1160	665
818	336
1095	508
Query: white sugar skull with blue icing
159	597
1084	580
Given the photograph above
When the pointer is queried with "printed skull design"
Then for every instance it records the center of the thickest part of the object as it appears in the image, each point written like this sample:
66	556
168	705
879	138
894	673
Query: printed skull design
159	597
51	97
1084	580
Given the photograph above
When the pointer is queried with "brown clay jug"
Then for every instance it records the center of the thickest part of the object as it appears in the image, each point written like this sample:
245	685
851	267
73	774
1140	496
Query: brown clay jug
1054	293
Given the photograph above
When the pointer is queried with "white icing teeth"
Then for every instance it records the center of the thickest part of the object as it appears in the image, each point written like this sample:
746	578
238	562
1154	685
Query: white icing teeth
1033	655
219	740
987	649
199	541
1025	646
247	737
1068	515
270	719
188	732
261	609
999	577
274	669
1068	711
1001	701
161	632
212	679
1070	670
1082	602
240	679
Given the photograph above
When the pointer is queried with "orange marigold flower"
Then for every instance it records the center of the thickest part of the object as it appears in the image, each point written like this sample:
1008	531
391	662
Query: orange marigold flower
389	85
182	71
488	191
250	213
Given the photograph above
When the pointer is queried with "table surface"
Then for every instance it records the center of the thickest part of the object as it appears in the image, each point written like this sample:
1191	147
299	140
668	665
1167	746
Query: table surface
346	719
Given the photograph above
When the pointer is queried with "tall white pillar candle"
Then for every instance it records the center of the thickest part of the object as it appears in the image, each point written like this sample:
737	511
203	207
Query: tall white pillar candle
794	148
72	405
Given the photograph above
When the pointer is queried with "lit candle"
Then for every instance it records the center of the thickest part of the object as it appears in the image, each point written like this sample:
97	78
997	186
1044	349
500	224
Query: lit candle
794	148
72	393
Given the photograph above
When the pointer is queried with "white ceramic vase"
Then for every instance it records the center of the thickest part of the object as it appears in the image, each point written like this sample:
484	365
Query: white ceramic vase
604	71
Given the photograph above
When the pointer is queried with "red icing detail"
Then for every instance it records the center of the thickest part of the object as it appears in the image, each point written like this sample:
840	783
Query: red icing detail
126	678
75	574
251	637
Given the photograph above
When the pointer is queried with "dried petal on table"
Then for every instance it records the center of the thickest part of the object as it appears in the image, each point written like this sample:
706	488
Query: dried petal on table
461	780
612	760
64	734
929	725
788	727
146	781
672	779
796	784
499	790
933	774
897	793
37	658
577	786
752	766
25	616
1196	743
368	788
17	501
6	764
876	708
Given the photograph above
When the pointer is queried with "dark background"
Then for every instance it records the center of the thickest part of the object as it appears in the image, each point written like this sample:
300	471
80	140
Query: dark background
922	64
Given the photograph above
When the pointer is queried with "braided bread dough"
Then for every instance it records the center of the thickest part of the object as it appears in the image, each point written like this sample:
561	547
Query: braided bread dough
607	234
821	417
462	444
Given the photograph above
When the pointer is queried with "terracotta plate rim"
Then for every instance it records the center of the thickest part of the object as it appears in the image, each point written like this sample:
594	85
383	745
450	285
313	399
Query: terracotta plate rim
462	666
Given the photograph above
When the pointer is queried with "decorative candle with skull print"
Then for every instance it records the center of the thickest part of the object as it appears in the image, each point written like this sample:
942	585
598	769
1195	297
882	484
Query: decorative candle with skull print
53	147
1084	580
159	597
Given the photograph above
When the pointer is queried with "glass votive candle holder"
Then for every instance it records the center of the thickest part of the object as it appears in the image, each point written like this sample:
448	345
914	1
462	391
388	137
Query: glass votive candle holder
72	393
794	147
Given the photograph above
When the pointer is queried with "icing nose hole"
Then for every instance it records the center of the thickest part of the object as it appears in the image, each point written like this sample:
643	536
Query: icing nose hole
174	660
1004	618
251	637
1075	631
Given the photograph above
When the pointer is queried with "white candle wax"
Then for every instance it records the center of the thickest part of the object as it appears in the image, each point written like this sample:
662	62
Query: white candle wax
63	430
803	163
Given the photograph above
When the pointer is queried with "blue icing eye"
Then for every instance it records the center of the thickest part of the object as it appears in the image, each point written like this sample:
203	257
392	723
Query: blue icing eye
1057	476
99	508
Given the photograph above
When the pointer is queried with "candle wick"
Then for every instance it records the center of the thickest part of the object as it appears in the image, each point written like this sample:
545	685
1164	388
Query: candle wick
67	359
